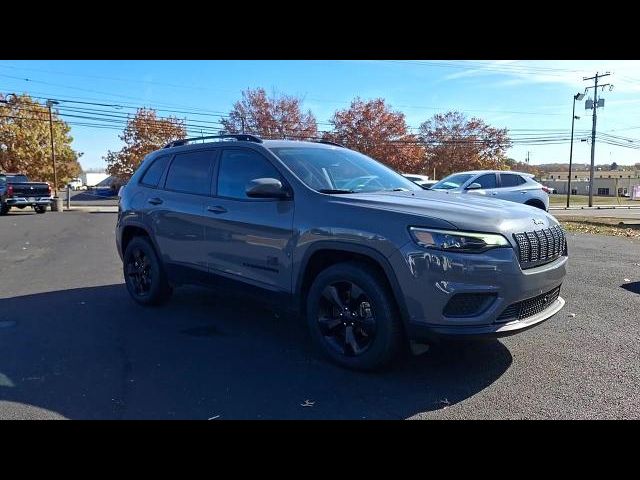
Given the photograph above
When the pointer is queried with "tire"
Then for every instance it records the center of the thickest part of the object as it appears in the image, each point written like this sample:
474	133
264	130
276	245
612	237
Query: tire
40	209
4	208
144	274
382	320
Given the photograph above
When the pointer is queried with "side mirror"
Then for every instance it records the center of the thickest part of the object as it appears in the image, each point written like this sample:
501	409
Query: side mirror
474	186
267	188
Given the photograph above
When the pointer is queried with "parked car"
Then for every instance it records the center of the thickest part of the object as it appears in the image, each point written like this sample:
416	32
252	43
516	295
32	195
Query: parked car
17	191
421	180
504	185
368	268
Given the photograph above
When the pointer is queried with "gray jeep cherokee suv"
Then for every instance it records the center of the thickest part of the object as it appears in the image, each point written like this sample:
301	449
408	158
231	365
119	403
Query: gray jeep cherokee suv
369	258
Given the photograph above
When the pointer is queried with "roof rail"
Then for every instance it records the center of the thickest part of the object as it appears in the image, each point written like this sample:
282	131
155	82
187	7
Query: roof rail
241	137
328	142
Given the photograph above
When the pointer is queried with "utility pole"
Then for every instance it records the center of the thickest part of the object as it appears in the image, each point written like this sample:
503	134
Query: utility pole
53	150
595	106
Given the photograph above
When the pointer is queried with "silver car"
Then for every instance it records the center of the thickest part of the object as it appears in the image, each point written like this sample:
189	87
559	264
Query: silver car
506	185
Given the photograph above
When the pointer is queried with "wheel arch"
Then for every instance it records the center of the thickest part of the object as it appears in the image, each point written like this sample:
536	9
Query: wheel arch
534	202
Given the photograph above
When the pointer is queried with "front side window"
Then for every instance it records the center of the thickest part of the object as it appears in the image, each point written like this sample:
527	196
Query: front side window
190	173
238	167
153	174
340	170
487	181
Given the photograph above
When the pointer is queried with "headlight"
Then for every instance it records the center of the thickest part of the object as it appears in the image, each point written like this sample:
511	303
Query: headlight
454	241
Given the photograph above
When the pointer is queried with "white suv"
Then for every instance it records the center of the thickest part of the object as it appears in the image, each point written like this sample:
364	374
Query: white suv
503	184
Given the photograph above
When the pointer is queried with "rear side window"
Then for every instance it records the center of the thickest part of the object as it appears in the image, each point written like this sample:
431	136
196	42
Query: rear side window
153	174
511	180
487	181
238	168
190	173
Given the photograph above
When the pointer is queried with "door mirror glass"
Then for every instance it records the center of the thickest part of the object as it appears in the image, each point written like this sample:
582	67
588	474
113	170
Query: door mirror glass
267	188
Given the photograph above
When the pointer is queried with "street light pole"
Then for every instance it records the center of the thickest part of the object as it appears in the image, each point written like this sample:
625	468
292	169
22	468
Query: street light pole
577	96
53	150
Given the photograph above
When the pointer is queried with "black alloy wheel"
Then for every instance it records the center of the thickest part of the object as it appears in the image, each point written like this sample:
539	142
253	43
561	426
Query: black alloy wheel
346	318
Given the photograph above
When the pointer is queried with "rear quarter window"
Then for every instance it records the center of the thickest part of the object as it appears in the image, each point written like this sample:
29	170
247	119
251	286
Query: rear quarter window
152	175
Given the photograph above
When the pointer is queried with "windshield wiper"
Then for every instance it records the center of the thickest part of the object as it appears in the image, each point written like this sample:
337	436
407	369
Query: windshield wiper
335	190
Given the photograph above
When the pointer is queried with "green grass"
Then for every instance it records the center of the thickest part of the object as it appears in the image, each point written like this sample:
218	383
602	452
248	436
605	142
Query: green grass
583	200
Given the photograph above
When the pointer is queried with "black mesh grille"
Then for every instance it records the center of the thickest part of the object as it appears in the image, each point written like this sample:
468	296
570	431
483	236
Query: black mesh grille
468	304
529	307
540	246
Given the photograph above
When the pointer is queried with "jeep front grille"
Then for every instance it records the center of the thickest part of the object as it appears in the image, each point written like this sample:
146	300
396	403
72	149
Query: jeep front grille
540	246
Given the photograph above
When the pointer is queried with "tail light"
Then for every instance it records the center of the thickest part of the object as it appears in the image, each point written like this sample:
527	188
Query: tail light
49	189
9	190
547	189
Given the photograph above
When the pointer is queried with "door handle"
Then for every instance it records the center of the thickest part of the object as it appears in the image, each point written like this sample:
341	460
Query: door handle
217	209
155	201
522	193
494	193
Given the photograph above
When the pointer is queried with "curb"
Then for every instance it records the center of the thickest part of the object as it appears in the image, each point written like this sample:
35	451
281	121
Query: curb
105	209
599	207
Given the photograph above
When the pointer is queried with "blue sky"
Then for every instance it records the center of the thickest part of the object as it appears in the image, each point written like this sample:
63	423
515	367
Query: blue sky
530	98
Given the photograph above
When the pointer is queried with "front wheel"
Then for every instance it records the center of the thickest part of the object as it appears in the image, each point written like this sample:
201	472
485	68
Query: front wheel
144	274
353	317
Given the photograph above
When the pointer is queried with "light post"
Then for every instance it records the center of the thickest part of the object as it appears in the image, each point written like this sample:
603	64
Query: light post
53	151
578	97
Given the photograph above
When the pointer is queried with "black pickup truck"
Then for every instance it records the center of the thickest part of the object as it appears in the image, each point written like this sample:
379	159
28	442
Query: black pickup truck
17	191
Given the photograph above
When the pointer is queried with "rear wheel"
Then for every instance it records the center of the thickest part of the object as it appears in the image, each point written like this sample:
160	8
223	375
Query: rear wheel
4	208
40	208
353	317
144	274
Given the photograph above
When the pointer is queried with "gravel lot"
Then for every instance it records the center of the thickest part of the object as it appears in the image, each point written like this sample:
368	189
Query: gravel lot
72	345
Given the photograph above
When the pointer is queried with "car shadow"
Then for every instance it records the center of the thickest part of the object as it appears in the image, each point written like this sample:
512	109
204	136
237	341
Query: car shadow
91	353
633	287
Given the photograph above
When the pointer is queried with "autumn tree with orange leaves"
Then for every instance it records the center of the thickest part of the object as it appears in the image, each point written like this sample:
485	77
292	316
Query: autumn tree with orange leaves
372	128
144	133
454	143
277	116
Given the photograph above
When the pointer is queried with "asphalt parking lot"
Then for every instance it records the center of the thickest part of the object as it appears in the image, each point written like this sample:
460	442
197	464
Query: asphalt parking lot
72	345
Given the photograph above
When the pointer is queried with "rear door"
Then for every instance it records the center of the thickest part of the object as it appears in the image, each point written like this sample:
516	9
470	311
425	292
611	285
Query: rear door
248	239
175	210
513	187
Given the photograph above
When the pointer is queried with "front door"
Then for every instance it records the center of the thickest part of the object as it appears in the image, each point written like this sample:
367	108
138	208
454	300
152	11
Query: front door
248	239
488	184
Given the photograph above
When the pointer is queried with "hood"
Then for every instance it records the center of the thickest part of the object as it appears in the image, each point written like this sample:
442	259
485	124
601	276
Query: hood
464	211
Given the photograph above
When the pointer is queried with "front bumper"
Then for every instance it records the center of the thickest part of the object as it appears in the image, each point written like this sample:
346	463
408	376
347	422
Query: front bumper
28	201
430	279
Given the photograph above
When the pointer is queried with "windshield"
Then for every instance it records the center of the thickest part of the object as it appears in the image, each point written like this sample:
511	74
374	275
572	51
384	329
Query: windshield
452	181
339	170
